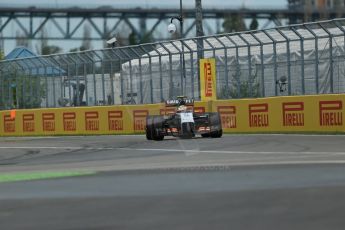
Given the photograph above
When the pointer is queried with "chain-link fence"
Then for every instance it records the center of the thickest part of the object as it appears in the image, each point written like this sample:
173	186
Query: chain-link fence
292	60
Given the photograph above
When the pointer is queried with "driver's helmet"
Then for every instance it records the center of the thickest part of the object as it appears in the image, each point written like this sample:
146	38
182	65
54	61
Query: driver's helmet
181	105
181	102
181	108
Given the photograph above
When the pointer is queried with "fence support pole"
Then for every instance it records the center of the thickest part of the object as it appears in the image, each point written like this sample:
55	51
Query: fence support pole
316	58
331	70
302	58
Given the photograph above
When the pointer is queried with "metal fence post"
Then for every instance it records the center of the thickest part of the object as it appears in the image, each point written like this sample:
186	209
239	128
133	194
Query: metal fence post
94	75
121	84
288	58
2	82
150	71
108	60
330	55
261	63
249	65
191	68
302	57
212	46
226	70
275	71
183	71
200	48
336	23
238	73
316	58
83	63
140	74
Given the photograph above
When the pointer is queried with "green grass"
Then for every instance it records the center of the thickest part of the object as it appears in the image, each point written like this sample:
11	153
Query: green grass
12	177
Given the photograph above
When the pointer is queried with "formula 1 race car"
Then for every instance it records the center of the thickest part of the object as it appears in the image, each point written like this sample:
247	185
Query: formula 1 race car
183	122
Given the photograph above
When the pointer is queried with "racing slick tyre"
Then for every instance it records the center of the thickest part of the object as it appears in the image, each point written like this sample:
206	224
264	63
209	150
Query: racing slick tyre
217	134
205	135
157	128
216	124
149	127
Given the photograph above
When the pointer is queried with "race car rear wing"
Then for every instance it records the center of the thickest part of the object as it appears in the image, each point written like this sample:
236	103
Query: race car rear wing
176	102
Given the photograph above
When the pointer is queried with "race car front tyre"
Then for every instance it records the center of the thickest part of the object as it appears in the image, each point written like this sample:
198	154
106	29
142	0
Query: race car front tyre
217	134
215	121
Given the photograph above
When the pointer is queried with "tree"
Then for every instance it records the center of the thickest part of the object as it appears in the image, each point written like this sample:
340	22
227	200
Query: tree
133	39
86	44
21	40
74	50
25	92
147	38
2	55
50	50
234	23
44	48
246	88
337	5
254	24
308	10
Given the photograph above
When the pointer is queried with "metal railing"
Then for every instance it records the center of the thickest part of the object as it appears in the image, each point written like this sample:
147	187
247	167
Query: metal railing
293	60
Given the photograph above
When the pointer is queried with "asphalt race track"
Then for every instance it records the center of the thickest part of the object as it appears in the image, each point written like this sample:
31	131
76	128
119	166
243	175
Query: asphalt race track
235	182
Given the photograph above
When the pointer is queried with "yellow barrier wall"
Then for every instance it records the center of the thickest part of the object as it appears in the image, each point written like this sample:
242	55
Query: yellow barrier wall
82	121
320	113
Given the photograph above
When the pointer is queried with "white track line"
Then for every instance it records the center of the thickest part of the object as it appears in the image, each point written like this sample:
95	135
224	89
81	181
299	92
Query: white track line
171	150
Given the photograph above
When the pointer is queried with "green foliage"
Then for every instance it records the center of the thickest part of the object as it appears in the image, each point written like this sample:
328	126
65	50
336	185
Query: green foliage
147	38
134	40
241	88
2	55
234	23
254	24
50	50
21	92
74	50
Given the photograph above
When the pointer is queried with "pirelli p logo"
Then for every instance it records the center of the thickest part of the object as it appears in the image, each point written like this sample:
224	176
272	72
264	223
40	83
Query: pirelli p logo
115	120
91	121
228	116
258	115
331	113
28	122
139	117
48	122
9	124
69	121
293	114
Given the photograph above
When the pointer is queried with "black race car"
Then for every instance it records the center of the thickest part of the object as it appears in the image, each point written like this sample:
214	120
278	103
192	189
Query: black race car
183	123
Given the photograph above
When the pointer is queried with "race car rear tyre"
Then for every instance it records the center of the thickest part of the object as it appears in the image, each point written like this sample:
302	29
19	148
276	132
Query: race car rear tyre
215	121
149	127
157	127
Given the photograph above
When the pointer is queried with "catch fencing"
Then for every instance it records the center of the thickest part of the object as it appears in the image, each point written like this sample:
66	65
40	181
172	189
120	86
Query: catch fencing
303	59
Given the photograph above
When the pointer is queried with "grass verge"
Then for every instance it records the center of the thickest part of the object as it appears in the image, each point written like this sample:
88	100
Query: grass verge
12	177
